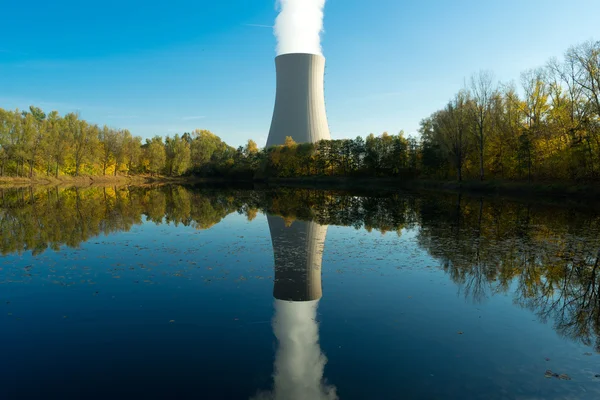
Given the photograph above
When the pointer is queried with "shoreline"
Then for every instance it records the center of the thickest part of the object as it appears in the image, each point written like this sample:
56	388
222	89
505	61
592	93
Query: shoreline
549	190
583	191
85	181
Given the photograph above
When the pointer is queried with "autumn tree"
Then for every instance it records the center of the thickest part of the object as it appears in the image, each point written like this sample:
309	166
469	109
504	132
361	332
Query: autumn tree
482	91
452	125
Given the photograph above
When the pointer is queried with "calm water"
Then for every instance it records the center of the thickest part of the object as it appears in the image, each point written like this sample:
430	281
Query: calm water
237	294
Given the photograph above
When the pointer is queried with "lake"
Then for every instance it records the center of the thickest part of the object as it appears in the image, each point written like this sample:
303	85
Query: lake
233	293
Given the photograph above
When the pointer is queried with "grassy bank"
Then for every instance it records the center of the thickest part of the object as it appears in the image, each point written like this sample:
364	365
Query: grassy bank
556	190
109	180
79	181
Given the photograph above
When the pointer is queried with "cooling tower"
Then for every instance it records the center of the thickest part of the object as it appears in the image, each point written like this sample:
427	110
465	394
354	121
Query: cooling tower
298	251
300	100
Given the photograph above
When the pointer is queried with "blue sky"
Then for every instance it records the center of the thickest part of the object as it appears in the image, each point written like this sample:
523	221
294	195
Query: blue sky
170	67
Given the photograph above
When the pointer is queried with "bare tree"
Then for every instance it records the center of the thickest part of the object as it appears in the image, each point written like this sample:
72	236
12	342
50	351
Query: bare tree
585	64
452	125
587	58
535	107
482	89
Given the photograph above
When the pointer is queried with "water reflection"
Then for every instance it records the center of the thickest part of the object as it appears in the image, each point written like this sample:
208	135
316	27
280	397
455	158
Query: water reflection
299	363
547	257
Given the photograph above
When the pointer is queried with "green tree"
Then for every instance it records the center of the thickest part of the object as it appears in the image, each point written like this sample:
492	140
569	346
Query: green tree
178	155
132	150
108	146
84	138
155	155
57	142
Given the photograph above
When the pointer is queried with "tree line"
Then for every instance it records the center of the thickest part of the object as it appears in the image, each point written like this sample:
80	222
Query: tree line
546	128
549	129
33	143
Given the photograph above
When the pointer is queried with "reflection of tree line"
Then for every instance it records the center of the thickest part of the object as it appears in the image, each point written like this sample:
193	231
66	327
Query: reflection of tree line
549	256
391	212
37	220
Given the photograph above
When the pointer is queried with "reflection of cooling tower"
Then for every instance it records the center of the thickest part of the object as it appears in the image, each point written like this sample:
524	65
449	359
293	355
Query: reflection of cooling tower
300	100
299	362
298	253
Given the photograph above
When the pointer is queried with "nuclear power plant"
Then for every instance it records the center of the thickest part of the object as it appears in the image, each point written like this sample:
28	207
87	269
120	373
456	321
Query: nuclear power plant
298	252
300	100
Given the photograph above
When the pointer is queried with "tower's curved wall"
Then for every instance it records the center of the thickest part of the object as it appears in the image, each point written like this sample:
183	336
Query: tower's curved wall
300	100
298	251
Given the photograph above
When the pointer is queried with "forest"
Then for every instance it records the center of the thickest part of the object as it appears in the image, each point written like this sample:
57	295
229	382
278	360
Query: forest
546	128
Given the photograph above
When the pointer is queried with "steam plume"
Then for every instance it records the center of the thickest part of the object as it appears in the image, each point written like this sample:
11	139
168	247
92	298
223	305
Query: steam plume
299	25
299	362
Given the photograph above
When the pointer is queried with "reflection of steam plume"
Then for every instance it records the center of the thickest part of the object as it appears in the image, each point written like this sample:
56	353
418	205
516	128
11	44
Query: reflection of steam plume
299	362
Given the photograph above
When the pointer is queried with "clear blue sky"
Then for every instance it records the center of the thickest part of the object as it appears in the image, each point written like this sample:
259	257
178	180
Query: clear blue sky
169	67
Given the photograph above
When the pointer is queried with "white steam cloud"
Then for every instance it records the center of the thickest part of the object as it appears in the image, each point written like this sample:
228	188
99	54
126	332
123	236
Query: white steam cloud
299	362
299	25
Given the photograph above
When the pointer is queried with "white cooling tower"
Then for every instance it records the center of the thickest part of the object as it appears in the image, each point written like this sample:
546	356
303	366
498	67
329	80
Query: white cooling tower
300	100
298	251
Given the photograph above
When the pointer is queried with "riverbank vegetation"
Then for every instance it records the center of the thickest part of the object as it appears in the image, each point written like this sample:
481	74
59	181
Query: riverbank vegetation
546	129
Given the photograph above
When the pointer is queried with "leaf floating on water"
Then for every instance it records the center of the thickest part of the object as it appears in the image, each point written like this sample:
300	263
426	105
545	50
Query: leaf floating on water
550	374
